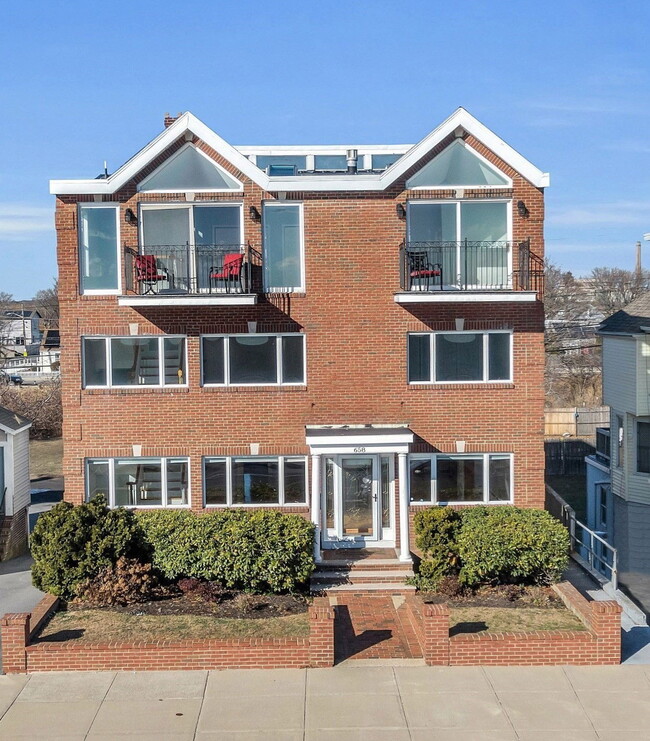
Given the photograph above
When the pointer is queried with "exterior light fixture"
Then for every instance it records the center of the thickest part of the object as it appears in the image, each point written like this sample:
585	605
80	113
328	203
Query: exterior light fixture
254	214
130	217
401	211
522	210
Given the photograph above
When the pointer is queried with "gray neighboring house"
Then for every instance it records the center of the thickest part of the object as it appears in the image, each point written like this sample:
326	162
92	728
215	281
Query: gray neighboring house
624	513
14	483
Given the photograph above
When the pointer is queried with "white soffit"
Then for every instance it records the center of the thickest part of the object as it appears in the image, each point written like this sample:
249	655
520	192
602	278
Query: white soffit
189	123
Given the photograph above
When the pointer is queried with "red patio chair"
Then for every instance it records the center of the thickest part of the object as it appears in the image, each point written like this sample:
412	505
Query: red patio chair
230	272
421	269
148	274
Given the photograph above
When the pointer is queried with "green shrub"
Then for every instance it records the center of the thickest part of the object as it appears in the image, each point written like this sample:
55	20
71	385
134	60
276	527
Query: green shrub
511	545
436	531
258	551
72	544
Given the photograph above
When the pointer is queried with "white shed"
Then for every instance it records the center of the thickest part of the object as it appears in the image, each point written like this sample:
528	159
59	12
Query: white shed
14	483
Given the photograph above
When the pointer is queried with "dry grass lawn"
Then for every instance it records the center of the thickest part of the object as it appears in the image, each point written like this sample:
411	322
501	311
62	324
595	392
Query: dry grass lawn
511	620
45	458
103	626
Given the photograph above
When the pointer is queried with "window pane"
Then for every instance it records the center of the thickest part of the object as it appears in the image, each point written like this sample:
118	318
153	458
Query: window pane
432	222
138	484
484	222
620	439
499	479
294	482
134	361
419	357
385	492
643	447
293	369
486	264
174	360
459	357
255	482
176	482
499	356
98	250
217	225
97	479
329	493
95	363
165	226
459	480
331	162
213	365
282	246
420	479
253	359
382	161
215	482
299	161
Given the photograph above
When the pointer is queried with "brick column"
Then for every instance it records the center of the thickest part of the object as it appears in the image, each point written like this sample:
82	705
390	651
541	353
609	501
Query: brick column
606	624
15	632
321	633
435	634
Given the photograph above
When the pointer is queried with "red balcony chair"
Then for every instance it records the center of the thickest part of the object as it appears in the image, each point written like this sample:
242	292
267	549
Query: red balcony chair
230	272
422	270
148	274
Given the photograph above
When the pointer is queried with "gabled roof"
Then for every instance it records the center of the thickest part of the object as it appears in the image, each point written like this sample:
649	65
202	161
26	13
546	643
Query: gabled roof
359	182
12	422
630	320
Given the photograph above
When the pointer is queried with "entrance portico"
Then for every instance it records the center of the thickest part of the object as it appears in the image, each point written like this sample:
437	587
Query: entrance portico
353	486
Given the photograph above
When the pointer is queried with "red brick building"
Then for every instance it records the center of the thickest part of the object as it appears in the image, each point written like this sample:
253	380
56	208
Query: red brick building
345	332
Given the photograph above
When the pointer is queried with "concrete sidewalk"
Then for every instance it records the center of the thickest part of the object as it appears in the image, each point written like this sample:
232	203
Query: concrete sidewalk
391	703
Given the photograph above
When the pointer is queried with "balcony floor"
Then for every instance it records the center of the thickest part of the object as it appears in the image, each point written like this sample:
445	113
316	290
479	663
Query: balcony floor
211	299
470	296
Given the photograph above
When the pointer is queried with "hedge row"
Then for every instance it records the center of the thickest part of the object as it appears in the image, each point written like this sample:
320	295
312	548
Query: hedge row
490	545
257	551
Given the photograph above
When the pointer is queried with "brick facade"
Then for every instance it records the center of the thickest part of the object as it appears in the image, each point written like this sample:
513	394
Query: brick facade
355	338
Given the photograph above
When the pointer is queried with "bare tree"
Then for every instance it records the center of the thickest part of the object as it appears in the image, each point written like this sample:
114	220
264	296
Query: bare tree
46	303
614	288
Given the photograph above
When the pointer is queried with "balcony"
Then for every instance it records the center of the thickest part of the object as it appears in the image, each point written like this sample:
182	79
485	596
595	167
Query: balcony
469	271
192	275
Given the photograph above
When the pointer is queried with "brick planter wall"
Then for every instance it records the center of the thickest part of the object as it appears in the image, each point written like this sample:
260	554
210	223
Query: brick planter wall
599	644
20	656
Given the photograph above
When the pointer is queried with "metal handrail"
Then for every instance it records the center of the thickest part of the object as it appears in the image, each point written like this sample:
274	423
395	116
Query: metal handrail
603	564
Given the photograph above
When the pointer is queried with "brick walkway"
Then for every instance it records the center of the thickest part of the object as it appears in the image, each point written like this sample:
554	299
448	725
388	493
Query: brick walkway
373	627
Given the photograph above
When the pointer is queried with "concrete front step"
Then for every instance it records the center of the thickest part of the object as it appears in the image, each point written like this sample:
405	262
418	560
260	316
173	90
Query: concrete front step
374	587
365	564
360	577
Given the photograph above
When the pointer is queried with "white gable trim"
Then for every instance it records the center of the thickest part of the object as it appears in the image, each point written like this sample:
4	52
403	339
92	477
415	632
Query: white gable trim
142	186
188	122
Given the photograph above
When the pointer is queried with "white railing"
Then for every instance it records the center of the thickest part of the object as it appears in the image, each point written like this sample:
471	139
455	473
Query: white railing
587	546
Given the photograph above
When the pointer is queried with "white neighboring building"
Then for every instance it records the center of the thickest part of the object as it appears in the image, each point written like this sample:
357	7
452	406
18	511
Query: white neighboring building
20	332
624	514
14	483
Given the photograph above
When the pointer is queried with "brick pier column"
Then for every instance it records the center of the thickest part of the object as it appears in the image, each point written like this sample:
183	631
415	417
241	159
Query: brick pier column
435	634
15	632
606	624
321	633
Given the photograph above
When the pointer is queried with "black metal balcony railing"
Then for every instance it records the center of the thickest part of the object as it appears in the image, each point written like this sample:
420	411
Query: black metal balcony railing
466	266
192	269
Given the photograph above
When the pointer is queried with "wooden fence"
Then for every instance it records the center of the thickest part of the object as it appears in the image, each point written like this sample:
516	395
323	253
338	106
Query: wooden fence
575	421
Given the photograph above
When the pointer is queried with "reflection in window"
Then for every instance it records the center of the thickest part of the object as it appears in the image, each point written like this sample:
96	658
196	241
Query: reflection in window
98	248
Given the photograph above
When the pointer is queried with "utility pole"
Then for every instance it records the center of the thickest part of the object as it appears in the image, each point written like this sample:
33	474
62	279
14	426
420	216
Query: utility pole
637	269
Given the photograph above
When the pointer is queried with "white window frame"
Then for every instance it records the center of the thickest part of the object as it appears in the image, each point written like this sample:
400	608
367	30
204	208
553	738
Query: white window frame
109	361
112	462
278	358
637	422
301	224
100	291
433	457
486	357
280	459
189	206
142	185
478	155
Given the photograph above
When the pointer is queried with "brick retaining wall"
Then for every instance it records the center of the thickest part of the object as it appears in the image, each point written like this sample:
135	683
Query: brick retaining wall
20	655
600	643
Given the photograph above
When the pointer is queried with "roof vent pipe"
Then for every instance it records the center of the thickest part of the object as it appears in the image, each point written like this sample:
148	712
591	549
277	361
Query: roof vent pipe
352	156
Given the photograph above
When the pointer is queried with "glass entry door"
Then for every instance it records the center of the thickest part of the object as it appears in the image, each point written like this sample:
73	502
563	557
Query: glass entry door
357	500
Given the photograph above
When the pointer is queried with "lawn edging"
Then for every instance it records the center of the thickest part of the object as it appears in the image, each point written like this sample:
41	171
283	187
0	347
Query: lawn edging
599	644
21	655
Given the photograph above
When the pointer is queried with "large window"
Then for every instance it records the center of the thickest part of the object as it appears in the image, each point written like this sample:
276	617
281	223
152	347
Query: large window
283	247
253	359
134	361
98	249
139	482
254	481
643	447
473	478
457	357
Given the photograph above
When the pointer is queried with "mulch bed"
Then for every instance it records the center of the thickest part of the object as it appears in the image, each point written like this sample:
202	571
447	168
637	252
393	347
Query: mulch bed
503	595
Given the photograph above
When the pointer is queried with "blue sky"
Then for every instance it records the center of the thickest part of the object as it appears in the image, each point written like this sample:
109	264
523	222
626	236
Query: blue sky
564	83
